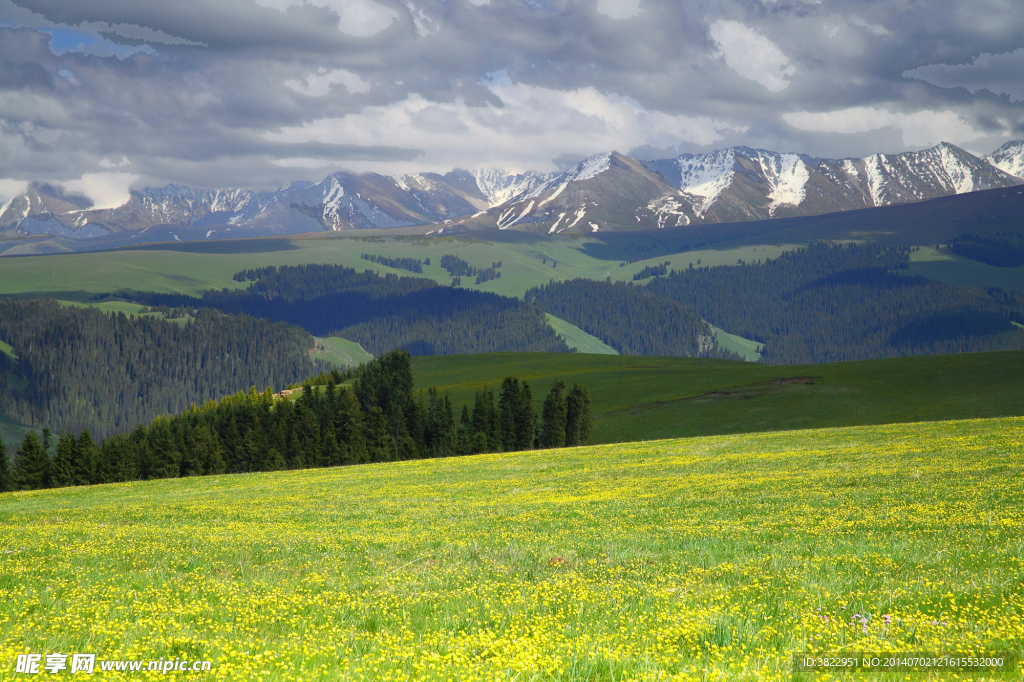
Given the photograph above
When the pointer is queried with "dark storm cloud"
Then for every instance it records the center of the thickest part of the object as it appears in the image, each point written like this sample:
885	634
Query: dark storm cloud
265	91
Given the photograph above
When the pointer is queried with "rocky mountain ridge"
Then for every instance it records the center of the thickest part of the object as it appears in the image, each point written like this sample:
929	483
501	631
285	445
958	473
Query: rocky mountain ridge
607	191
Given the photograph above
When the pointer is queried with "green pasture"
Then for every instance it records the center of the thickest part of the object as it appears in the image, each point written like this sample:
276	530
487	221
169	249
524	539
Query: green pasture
942	266
638	398
339	351
714	558
750	350
527	261
577	339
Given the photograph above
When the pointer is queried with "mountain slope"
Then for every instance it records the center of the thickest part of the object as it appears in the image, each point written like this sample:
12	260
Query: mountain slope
740	183
605	191
1009	158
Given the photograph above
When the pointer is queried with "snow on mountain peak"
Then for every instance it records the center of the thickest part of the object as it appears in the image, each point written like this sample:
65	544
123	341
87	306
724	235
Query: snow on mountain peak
706	175
1009	158
787	175
960	176
503	186
589	167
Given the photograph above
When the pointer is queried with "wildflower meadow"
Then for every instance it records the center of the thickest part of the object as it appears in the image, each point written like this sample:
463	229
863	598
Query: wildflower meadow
694	559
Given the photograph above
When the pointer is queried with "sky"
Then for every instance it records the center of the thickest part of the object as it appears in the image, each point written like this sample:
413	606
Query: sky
107	95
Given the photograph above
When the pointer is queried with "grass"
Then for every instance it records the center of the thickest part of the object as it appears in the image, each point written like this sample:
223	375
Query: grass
527	261
708	558
638	398
942	266
749	349
578	339
339	351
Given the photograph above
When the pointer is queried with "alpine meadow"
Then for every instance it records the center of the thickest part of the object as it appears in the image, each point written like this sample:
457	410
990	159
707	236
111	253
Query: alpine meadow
505	340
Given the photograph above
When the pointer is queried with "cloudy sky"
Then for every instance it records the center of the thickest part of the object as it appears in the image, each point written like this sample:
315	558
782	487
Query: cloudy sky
106	94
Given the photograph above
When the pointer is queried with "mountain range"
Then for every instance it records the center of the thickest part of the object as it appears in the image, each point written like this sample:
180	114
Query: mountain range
607	191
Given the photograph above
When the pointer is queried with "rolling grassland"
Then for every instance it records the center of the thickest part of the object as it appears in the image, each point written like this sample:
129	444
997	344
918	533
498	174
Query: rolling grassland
643	398
705	558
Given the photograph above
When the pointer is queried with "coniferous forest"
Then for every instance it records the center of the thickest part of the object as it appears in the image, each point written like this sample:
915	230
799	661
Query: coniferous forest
375	418
628	318
830	303
381	313
81	368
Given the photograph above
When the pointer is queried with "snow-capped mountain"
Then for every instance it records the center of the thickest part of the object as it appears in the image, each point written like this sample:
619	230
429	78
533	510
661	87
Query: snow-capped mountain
1009	158
740	183
603	192
501	187
339	202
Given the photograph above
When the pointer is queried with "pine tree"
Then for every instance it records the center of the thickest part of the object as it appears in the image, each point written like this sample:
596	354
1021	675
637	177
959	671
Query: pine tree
331	451
351	430
526	419
62	468
508	406
86	454
5	468
31	464
165	459
379	442
554	416
578	416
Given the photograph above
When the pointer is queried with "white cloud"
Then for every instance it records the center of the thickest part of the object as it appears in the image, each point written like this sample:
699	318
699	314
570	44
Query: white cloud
919	129
360	18
533	125
8	190
619	9
1001	73
107	163
106	190
319	84
752	55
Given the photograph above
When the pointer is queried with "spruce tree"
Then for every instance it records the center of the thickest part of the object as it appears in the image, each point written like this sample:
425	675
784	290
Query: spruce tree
508	407
86	454
379	442
5	469
578	416
331	451
31	464
165	459
62	468
554	415
526	419
351	430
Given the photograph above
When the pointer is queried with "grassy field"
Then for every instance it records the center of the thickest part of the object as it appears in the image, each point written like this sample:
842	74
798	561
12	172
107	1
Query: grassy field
638	398
701	559
748	349
578	339
942	266
339	351
527	261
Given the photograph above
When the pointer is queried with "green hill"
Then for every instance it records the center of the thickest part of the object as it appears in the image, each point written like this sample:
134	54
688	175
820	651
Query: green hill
637	398
709	558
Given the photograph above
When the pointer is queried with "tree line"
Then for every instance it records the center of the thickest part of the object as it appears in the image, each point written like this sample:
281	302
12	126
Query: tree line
410	264
376	418
381	313
71	368
459	268
630	319
1004	250
832	303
